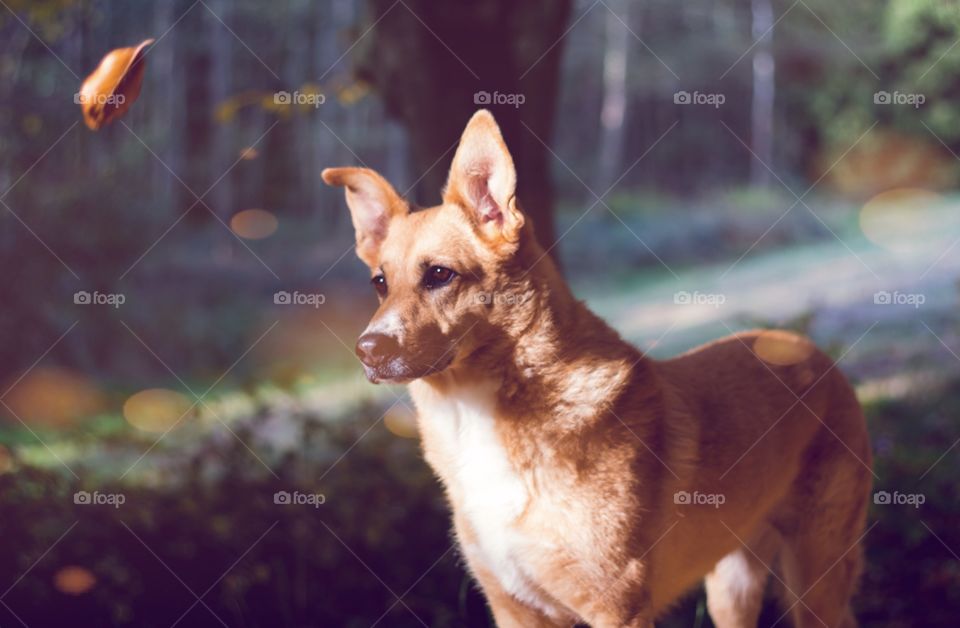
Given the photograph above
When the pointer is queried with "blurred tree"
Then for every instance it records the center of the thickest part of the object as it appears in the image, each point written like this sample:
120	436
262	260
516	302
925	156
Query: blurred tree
764	91
614	105
431	61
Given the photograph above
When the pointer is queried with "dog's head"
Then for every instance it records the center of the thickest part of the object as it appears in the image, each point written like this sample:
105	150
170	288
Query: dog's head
441	272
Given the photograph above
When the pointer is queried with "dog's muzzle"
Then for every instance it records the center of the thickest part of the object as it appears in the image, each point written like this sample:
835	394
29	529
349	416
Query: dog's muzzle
383	360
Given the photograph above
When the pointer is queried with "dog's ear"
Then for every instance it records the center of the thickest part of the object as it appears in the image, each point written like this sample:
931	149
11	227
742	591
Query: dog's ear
483	180
373	204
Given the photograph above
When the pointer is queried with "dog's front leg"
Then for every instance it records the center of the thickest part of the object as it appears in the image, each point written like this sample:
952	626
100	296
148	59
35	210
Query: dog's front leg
617	620
624	603
621	620
508	611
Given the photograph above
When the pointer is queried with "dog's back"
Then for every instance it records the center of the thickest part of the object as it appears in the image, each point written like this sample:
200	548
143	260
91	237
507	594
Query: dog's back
782	438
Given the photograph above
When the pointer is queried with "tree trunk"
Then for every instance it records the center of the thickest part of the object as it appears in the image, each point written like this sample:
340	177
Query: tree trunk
430	61
761	111
197	101
220	198
165	120
613	110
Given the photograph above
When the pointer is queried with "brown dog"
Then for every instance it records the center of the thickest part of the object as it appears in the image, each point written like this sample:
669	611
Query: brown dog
590	483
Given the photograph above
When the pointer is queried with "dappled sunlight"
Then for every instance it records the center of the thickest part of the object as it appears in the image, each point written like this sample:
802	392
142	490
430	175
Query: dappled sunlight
837	276
886	159
899	385
341	395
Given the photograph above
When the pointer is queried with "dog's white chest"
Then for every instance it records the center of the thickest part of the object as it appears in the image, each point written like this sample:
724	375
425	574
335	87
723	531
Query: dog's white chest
489	493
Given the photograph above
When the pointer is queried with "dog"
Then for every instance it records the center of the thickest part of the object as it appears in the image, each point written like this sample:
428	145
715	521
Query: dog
588	482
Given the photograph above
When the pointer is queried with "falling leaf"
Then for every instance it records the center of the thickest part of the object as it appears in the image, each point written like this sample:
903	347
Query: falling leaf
113	86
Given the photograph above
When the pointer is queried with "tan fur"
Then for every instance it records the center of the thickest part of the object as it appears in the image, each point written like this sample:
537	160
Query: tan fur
562	448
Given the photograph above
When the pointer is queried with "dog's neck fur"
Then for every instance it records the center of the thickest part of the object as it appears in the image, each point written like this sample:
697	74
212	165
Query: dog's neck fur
536	343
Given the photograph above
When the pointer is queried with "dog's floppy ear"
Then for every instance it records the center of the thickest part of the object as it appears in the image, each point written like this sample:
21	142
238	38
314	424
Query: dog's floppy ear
373	204
483	180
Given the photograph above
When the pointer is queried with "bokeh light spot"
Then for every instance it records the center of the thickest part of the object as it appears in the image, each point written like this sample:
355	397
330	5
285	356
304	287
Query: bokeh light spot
900	219
74	580
401	421
253	224
156	409
782	348
54	397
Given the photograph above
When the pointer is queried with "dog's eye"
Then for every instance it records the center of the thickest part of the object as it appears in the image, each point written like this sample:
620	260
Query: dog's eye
380	285
437	276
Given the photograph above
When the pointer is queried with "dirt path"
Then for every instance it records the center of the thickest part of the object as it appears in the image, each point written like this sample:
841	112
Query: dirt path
838	280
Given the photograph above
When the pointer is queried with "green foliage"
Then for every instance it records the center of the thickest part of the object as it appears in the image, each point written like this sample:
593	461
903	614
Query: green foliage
383	517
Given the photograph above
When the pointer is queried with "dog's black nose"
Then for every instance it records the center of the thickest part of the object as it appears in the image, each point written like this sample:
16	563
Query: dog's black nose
374	349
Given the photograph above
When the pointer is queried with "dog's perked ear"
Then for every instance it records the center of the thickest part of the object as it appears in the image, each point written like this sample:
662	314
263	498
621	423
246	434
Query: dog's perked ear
373	204
483	180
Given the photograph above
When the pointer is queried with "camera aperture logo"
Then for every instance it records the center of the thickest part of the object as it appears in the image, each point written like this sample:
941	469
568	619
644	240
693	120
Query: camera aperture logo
296	498
314	300
115	100
899	298
696	297
696	498
82	297
301	99
496	98
899	98
699	98
896	498
500	298
96	498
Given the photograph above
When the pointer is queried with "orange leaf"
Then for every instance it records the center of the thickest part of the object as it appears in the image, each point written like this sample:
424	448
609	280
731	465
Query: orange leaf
114	85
